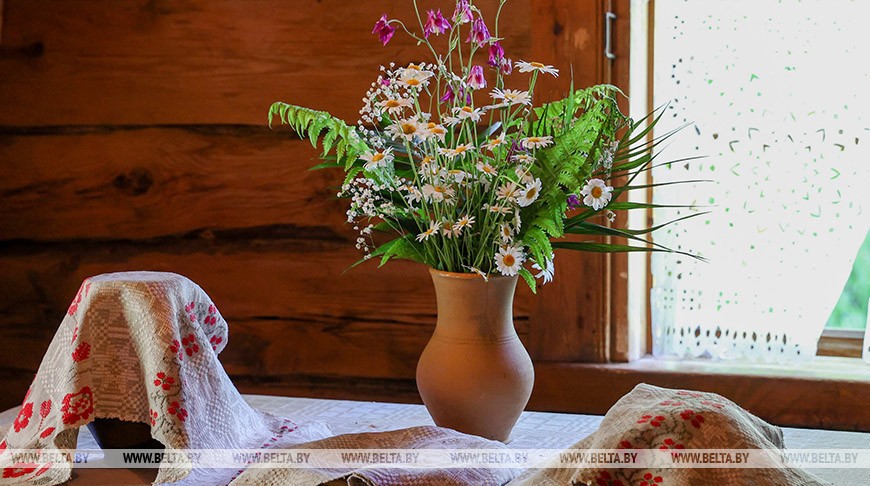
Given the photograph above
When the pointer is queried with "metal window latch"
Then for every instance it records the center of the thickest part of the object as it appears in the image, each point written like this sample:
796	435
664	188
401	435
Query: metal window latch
609	17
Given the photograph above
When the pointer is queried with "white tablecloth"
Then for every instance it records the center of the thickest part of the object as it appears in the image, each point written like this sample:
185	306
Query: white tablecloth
534	430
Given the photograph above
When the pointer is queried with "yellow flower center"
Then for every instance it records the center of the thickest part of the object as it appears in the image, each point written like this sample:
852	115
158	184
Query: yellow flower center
392	104
509	260
537	65
440	189
377	157
534	139
460	149
426	160
412	82
530	192
467	109
496	141
505	231
596	192
414	67
409	128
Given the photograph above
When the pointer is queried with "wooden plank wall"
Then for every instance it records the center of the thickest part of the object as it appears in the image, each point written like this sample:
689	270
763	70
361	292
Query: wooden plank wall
132	136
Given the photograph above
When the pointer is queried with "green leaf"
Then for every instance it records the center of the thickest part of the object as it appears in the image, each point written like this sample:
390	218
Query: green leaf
530	279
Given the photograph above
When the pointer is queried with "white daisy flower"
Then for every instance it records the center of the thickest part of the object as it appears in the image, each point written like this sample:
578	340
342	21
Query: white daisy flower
524	174
495	208
457	175
536	142
486	168
407	129
596	194
437	192
527	67
395	105
509	260
414	195
459	151
464	222
377	159
506	232
547	272
530	193
467	113
433	229
449	229
494	143
523	159
508	192
414	78
511	96
435	130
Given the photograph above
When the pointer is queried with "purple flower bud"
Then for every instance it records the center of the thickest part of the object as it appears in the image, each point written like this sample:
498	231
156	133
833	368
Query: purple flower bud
496	54
462	14
384	30
574	202
448	95
435	24
479	33
476	79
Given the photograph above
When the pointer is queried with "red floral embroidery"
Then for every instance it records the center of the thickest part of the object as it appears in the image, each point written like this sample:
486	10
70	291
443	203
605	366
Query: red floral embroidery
654	421
82	352
176	409
23	418
189	308
695	418
164	381
153	416
45	408
625	445
712	404
672	403
176	349
75	334
77	406
45	433
2	446
215	341
671	444
190	345
18	469
211	319
649	480
43	469
690	394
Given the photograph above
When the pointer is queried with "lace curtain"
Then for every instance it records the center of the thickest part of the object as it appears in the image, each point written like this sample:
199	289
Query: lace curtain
775	93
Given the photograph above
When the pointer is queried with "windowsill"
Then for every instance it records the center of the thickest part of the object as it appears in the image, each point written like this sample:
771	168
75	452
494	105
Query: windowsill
822	368
828	393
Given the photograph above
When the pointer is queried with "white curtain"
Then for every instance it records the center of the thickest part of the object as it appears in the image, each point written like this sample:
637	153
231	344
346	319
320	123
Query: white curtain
776	95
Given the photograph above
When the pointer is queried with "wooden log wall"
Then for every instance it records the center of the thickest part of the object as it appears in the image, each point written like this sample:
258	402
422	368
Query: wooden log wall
133	137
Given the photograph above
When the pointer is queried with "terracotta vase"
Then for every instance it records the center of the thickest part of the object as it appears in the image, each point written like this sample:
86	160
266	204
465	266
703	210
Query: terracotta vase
475	376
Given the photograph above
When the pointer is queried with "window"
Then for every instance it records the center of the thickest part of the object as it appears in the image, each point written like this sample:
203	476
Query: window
772	96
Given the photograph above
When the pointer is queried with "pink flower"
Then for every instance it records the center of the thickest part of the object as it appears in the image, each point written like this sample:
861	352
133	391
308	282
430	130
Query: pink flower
479	33
384	30
448	95
507	66
476	79
435	24
462	14
496	54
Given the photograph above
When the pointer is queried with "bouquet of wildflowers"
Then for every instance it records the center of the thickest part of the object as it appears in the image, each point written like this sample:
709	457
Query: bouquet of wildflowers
470	186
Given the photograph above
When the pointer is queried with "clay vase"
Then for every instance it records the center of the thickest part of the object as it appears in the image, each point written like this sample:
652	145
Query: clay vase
475	376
